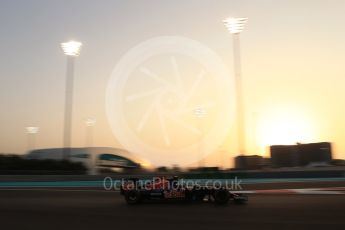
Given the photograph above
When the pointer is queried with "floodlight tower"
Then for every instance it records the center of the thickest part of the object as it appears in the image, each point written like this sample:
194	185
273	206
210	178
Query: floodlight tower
200	113
71	50
235	27
90	123
31	131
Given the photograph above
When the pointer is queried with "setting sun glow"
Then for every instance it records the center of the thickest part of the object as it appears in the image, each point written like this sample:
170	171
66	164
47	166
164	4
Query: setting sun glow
285	127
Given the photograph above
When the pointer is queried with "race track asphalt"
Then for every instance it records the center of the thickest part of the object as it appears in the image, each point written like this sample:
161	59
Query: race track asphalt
87	209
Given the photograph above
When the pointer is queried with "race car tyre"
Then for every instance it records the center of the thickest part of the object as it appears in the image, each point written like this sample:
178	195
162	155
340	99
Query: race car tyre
133	197
194	195
197	196
221	196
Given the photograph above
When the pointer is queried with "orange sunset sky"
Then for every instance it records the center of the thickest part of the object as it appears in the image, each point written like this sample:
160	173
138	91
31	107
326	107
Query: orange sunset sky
292	55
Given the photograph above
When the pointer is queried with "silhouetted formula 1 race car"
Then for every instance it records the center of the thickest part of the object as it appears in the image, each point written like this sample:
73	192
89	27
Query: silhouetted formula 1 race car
134	192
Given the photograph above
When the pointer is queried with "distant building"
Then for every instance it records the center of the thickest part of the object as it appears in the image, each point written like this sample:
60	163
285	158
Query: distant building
301	154
249	162
315	153
93	158
284	156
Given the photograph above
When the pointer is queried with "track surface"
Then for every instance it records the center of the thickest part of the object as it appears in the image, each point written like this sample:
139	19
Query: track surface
78	209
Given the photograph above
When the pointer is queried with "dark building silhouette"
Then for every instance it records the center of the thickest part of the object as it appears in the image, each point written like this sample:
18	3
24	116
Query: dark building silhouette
249	162
300	154
316	152
284	155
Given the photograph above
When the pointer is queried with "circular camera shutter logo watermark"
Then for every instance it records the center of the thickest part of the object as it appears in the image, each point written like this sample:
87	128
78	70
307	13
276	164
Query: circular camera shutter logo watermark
170	100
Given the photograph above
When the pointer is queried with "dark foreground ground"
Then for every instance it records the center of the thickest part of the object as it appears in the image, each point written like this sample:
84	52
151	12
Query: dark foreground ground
78	209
